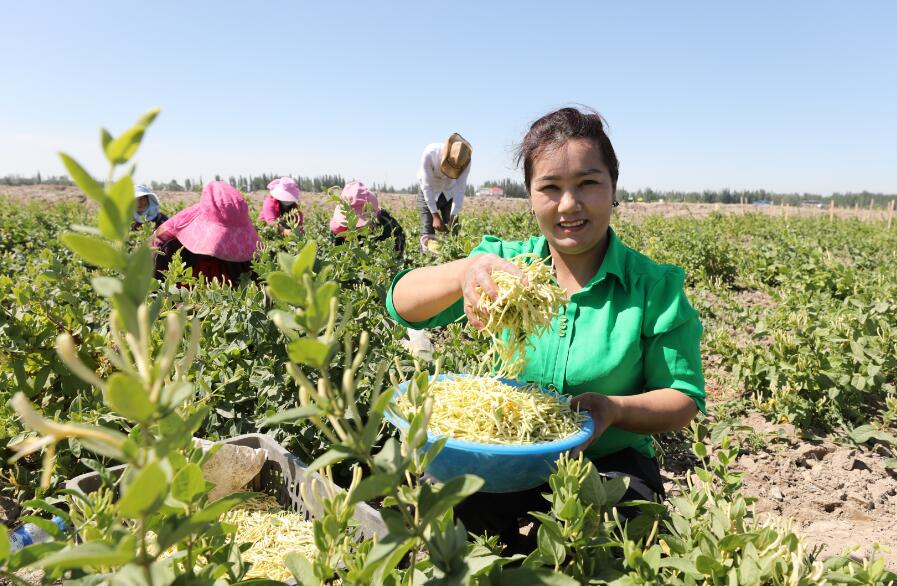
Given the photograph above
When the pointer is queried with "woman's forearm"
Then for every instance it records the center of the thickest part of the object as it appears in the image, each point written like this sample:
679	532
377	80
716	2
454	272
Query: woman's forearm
650	412
424	292
657	411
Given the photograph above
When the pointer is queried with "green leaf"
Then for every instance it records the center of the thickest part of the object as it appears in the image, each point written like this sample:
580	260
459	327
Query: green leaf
389	459
434	501
709	566
301	568
139	274
31	554
551	549
305	260
105	138
430	454
214	510
94	250
287	289
700	449
125	395
285	261
174	394
864	433
123	148
127	311
147	117
335	454
385	555
122	193
684	565
43	505
309	352
106	286
145	493
110	221
188	483
120	150
85	182
382	401
103	449
615	488
652	557
749	570
371	429
324	294
735	541
375	486
4	547
93	554
293	415
593	489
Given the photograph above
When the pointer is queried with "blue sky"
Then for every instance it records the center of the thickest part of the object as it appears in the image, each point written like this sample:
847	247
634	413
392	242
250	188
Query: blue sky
786	96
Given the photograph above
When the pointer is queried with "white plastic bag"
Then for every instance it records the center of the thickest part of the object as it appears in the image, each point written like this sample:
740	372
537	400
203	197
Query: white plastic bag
231	468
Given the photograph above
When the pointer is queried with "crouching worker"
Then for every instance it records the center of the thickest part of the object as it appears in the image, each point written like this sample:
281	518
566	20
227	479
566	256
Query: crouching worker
281	206
216	237
367	208
148	210
626	346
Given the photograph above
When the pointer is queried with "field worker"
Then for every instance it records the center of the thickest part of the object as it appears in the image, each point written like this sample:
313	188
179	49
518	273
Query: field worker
367	208
148	208
626	346
282	199
443	178
216	237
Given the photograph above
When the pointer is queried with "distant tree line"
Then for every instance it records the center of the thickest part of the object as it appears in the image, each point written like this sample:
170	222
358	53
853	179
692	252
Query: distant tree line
724	196
757	196
36	180
511	189
249	183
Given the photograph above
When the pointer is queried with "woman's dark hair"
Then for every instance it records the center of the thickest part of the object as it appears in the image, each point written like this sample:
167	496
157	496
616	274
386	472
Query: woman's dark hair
553	130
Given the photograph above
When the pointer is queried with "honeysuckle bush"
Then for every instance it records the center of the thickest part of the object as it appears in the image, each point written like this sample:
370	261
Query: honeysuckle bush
824	356
161	497
316	318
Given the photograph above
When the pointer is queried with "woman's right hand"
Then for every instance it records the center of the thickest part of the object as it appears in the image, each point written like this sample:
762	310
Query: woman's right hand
438	224
478	277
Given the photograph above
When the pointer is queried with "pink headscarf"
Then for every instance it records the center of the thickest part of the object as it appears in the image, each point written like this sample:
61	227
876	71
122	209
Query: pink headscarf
218	226
357	195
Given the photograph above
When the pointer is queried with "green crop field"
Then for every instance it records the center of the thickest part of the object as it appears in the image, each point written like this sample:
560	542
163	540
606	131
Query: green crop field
800	349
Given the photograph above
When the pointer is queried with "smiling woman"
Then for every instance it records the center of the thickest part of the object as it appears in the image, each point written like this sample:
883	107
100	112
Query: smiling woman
626	345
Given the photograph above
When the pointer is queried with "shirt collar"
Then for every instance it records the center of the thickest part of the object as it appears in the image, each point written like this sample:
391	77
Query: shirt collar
614	262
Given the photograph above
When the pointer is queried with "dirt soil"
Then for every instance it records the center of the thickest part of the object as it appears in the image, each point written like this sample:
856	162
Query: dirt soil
9	511
838	497
627	211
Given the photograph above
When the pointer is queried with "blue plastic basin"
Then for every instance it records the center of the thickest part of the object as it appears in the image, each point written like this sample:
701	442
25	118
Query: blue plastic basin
504	468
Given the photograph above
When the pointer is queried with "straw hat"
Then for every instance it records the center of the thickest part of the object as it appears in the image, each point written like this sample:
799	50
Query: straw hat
455	156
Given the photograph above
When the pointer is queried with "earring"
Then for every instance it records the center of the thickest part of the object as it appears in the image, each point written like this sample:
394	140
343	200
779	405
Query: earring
616	203
532	212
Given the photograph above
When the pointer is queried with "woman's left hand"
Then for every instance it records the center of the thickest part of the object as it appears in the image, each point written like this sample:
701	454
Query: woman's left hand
604	413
